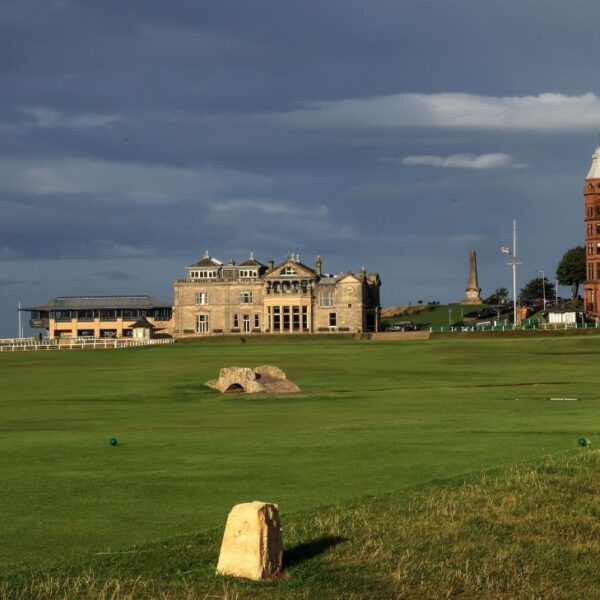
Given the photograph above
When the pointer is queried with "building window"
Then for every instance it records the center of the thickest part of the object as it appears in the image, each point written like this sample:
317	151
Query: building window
245	297
296	318
332	320
248	273
212	274
305	317
256	321
289	271
201	323
276	318
246	321
201	297
325	299
236	321
163	314
597	271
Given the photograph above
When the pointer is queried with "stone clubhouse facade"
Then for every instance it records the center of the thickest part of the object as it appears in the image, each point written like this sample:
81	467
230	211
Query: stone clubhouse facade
291	297
231	299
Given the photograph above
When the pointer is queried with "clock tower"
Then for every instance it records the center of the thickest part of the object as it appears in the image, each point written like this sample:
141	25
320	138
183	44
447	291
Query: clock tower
591	193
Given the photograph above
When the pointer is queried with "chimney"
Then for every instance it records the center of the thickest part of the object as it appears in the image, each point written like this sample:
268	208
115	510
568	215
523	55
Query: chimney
318	266
271	265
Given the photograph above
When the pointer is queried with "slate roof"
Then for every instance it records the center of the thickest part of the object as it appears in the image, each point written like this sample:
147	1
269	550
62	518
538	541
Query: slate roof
142	322
251	262
101	302
205	262
563	308
328	279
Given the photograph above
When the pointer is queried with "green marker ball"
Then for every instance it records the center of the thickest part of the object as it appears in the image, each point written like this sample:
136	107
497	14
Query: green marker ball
583	442
113	441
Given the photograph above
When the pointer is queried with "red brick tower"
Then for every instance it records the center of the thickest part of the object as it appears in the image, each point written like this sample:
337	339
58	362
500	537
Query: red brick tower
591	192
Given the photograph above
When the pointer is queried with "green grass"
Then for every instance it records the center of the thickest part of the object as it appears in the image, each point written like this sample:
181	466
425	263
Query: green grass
375	418
435	315
522	532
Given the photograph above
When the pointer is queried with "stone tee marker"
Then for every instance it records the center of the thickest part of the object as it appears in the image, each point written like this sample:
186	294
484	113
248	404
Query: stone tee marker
252	545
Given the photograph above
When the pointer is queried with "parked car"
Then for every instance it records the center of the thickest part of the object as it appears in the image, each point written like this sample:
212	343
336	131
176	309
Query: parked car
402	326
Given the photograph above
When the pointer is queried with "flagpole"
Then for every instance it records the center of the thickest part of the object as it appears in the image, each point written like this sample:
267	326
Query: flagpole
20	323
512	251
514	272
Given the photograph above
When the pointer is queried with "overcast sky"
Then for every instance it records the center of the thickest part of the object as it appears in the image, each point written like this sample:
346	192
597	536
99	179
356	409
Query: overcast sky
394	135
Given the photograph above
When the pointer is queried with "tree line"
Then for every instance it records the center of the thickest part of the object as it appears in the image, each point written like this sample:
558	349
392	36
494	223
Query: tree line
569	272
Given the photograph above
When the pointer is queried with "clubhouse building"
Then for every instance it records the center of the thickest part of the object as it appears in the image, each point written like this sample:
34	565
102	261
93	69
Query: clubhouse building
291	297
231	299
102	316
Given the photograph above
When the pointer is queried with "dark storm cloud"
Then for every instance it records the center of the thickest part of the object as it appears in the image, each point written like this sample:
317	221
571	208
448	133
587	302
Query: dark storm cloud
396	135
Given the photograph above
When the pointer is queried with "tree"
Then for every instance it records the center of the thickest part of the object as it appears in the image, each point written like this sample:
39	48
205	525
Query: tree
534	289
571	269
500	296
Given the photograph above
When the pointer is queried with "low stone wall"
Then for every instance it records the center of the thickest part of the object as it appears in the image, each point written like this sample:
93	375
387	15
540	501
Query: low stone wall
401	335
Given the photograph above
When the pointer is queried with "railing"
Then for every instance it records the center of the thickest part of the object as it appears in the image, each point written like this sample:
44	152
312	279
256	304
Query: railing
23	341
510	327
82	344
290	292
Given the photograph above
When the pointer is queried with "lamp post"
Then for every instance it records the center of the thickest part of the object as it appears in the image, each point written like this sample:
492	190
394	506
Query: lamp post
543	285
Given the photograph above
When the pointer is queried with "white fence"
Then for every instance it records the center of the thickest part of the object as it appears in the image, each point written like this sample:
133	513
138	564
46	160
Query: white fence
20	344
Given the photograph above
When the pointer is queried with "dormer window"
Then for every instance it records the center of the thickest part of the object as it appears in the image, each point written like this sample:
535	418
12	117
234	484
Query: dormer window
203	274
248	273
289	271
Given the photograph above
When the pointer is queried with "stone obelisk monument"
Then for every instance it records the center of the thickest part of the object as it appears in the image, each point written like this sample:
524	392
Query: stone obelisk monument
473	290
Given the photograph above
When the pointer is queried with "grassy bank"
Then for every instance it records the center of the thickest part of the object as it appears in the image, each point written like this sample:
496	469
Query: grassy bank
522	532
435	315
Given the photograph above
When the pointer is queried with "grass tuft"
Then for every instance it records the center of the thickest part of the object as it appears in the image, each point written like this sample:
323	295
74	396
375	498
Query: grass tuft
520	532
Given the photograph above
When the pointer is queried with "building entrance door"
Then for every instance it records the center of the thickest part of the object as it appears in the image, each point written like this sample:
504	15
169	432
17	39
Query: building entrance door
246	323
202	324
